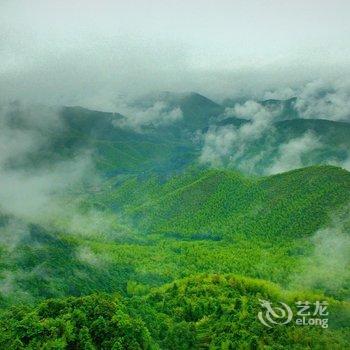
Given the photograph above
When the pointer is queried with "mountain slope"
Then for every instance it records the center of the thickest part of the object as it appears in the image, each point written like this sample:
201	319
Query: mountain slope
217	202
200	312
198	111
124	150
284	144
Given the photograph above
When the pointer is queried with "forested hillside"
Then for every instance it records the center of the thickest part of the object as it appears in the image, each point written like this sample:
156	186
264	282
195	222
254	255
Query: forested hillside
205	311
116	235
216	203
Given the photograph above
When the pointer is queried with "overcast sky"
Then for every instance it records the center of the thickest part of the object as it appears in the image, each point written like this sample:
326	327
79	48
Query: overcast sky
78	52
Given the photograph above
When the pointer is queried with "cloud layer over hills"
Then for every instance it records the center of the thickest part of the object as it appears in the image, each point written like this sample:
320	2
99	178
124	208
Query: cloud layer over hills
86	53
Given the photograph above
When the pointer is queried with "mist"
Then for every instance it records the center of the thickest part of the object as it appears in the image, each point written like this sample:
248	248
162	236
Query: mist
88	53
290	153
327	267
43	187
226	145
159	114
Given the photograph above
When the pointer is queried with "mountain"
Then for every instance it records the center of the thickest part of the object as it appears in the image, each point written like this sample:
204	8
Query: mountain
286	108
198	111
150	247
303	142
114	149
123	149
211	204
333	133
200	312
148	221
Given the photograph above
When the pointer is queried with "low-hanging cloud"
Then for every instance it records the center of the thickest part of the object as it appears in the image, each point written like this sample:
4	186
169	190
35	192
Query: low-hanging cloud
218	144
159	114
41	190
30	191
256	146
327	268
290	154
318	99
227	144
24	129
87	256
29	194
325	100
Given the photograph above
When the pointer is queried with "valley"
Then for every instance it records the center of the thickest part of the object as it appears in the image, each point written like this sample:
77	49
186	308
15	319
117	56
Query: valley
142	239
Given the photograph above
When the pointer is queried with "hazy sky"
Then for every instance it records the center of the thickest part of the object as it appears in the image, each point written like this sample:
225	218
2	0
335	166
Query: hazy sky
85	51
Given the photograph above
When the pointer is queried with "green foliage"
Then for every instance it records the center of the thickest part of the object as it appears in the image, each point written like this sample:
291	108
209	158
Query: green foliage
201	312
220	311
224	203
92	322
174	239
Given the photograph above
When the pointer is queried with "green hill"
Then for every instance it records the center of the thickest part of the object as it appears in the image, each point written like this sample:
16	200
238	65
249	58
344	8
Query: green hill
220	312
93	322
183	250
156	230
198	111
201	312
214	203
171	148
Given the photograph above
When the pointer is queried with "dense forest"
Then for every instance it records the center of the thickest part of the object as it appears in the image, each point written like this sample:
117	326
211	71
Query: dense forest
150	247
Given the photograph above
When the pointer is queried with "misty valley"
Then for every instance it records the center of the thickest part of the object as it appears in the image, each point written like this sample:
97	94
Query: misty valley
166	224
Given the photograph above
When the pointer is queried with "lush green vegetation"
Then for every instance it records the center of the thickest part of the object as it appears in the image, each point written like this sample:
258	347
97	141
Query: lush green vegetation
96	321
215	203
205	311
164	253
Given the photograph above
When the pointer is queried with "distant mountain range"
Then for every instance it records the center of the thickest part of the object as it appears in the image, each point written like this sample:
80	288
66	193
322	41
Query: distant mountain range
122	149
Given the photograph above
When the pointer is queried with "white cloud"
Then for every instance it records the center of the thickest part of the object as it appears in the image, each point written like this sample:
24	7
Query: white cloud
87	256
29	191
290	154
327	268
325	100
160	114
229	143
346	163
281	94
62	52
30	194
218	144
